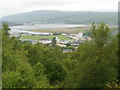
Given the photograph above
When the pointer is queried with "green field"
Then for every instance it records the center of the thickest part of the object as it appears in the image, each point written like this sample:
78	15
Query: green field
61	37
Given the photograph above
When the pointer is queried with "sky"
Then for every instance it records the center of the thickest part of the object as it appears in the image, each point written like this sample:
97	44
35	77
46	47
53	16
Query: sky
9	7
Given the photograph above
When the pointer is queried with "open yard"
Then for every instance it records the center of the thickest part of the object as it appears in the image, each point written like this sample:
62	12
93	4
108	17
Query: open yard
61	37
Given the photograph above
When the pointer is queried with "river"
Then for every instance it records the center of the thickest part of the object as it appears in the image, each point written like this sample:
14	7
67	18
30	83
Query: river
24	28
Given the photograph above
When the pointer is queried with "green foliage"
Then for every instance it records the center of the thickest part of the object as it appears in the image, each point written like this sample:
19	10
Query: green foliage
93	65
118	55
41	78
17	71
54	71
96	61
11	80
100	34
5	29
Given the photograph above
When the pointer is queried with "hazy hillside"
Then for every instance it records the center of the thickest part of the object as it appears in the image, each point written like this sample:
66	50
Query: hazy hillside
63	17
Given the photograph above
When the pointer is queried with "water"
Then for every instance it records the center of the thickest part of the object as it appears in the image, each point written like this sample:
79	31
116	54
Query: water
25	28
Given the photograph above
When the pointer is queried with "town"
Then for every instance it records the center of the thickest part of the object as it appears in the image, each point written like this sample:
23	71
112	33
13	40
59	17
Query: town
68	42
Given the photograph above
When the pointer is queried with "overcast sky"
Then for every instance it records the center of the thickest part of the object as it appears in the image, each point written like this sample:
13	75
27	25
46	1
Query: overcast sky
8	7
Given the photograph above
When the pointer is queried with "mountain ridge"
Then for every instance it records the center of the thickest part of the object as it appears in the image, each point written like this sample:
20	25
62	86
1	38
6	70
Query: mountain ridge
69	17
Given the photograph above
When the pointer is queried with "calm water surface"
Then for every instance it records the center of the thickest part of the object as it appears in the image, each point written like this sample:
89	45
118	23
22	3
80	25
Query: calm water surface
43	27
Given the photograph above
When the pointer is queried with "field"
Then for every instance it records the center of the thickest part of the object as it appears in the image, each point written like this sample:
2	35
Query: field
86	31
61	37
65	30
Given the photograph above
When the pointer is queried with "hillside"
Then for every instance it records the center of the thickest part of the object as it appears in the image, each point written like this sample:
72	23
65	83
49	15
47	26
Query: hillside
44	16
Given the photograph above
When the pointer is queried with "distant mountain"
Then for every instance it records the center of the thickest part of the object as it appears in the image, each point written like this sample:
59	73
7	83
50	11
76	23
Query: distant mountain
10	23
46	16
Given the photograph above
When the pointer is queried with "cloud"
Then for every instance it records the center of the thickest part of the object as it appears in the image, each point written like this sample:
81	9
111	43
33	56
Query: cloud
47	3
8	7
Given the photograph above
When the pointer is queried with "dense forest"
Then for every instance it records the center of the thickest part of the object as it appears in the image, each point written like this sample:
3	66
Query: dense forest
93	65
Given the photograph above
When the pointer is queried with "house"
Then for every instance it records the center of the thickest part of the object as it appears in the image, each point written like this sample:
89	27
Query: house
15	35
79	35
61	45
64	41
75	43
39	34
30	40
18	33
67	50
76	36
57	39
64	34
25	34
45	41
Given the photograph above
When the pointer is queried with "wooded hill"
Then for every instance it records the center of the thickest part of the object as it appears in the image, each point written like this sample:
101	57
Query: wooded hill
46	16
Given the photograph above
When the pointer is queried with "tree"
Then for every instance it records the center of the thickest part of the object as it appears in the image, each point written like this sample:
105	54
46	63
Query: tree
54	70
5	29
16	71
97	63
41	78
118	54
54	41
